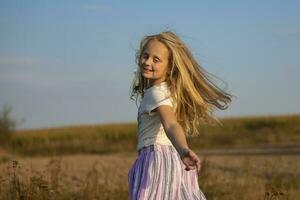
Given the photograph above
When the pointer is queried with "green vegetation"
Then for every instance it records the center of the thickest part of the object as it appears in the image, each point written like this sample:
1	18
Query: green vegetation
250	132
76	139
236	132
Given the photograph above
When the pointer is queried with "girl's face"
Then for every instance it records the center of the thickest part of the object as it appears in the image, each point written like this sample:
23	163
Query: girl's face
154	62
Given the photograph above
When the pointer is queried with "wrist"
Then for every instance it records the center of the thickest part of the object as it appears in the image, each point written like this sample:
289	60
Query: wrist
184	151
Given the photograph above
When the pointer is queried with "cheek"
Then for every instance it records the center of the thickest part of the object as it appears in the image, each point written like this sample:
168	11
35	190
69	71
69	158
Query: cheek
160	69
157	67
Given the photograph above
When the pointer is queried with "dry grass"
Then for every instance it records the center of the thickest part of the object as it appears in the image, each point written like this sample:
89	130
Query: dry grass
67	177
105	177
92	162
251	177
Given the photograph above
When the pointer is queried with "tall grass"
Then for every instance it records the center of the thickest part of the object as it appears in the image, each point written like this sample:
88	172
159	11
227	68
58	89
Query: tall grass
75	139
236	132
220	177
53	184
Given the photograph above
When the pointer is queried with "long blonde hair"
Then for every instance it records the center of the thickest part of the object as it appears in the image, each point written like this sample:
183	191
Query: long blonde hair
195	94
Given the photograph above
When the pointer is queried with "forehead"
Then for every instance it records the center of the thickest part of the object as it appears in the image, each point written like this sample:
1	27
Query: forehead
156	48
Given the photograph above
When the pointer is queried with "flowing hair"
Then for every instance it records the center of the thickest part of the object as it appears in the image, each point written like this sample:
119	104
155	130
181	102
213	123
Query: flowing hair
195	94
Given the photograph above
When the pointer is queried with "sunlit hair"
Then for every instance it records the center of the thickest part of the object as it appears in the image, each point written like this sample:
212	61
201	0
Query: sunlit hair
191	86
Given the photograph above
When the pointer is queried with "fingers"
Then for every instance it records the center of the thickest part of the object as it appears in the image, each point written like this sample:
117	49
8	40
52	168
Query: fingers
188	168
192	161
193	156
193	164
198	166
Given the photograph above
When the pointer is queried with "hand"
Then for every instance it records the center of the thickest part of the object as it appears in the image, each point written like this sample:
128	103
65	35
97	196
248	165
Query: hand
190	159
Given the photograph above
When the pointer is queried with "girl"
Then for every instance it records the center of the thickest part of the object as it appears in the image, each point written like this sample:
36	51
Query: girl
176	95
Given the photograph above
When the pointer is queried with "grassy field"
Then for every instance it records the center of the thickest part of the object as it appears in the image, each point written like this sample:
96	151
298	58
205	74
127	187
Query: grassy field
105	177
100	139
92	162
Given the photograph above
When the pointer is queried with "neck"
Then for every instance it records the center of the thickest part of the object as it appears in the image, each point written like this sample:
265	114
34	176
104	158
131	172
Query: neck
151	83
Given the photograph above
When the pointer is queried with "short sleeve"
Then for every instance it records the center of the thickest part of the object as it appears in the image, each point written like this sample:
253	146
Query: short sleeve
157	98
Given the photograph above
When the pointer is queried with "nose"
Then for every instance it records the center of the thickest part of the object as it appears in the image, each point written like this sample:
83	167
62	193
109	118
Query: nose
147	61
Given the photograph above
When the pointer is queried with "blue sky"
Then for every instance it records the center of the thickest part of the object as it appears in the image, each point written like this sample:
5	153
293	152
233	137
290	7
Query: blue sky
71	62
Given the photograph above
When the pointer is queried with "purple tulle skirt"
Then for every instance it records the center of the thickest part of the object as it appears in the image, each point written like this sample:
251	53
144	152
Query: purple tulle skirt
159	174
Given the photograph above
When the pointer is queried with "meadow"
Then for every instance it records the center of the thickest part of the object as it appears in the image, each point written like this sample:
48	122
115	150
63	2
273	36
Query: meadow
92	162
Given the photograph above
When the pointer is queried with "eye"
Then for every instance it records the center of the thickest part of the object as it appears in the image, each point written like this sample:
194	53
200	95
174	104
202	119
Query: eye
156	60
144	55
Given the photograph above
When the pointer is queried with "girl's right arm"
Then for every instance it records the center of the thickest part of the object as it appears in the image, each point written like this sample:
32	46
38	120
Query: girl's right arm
176	134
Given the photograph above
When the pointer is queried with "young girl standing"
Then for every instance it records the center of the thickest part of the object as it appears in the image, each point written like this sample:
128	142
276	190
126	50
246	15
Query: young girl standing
176	96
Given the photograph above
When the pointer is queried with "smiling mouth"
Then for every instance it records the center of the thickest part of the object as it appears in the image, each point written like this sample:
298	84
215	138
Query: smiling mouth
147	70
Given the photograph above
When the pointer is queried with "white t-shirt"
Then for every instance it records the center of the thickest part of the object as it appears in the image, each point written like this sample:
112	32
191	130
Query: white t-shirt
150	129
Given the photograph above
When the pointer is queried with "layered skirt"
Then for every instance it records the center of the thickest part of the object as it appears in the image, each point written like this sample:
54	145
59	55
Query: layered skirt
159	174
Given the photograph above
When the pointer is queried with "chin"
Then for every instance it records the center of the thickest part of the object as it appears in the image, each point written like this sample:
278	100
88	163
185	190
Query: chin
145	75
